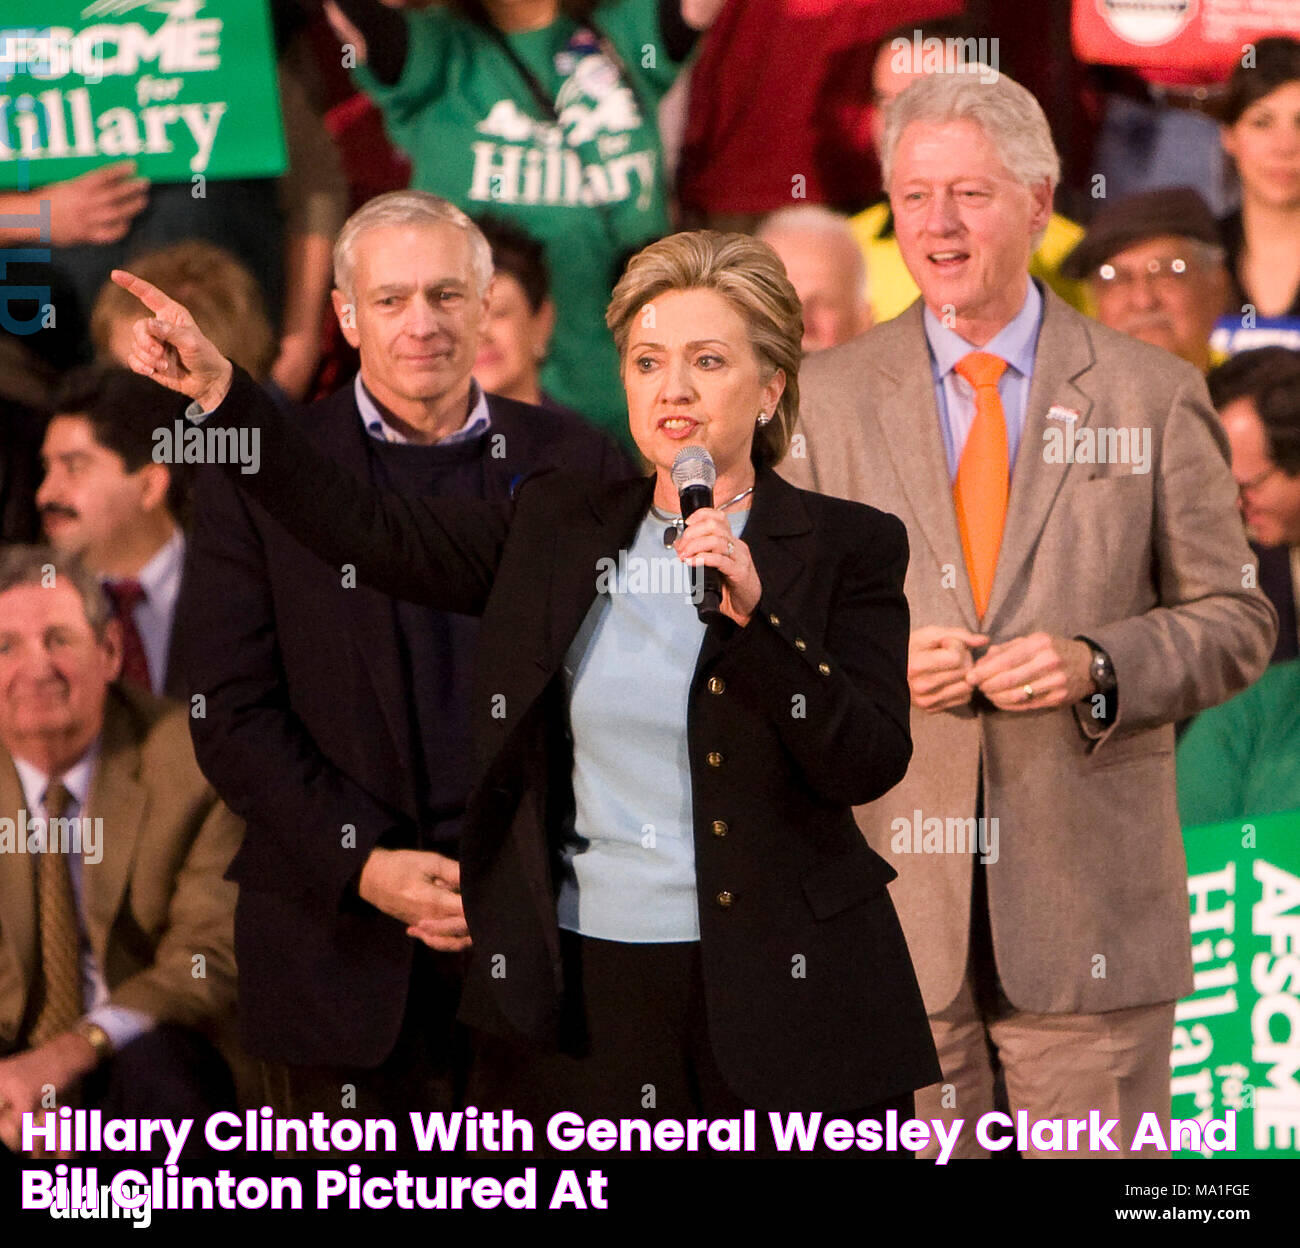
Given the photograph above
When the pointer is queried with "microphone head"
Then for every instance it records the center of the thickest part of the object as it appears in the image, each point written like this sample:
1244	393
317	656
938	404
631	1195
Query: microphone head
693	465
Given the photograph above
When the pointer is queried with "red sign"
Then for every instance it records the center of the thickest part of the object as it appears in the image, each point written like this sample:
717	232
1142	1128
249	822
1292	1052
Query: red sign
1202	35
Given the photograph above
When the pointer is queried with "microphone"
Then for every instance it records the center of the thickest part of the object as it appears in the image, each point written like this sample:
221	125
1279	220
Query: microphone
694	474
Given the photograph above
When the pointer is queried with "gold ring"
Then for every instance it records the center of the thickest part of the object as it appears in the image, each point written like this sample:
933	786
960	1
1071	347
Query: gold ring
1029	693
731	546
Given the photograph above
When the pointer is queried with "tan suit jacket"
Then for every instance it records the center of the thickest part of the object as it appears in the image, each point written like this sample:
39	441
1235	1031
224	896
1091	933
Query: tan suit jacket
1087	898
157	897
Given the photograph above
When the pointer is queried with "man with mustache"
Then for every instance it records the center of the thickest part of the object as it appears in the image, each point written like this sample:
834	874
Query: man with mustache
1154	267
107	502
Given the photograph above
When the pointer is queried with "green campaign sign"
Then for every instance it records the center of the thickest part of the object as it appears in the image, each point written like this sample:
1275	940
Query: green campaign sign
183	87
1237	1037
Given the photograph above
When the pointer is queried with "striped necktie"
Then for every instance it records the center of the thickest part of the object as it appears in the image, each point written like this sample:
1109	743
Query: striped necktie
60	942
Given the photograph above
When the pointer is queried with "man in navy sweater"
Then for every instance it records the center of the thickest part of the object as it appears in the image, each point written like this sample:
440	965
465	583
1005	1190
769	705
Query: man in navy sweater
334	719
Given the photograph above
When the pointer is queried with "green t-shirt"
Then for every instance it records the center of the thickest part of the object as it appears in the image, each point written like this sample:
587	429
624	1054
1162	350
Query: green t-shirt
476	135
1243	758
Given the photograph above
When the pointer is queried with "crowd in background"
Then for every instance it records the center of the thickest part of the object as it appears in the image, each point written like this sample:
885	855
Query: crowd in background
1189	192
610	125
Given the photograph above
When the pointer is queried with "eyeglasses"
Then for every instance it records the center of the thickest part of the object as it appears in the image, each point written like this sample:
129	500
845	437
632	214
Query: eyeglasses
1245	487
1172	271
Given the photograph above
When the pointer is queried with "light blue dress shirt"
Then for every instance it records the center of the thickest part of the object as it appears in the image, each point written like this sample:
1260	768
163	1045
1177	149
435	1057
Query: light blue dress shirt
377	427
1016	342
628	867
120	1023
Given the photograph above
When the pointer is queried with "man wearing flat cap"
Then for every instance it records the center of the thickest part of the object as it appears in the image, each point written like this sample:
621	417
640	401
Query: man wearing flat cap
1155	270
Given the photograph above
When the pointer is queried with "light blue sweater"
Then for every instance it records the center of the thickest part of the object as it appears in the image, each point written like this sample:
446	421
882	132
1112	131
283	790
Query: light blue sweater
629	865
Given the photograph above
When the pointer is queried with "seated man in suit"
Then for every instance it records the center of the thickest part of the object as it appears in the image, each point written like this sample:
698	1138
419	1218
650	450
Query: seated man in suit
106	500
1076	588
337	719
116	950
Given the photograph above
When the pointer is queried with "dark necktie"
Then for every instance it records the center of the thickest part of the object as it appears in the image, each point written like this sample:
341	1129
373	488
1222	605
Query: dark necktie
60	942
125	596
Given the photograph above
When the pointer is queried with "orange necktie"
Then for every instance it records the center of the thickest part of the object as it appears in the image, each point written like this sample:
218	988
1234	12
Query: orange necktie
980	490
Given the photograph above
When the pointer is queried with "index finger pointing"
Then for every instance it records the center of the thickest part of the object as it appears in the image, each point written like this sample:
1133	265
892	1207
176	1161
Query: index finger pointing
148	294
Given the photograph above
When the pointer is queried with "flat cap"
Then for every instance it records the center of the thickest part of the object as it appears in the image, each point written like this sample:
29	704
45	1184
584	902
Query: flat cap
1177	210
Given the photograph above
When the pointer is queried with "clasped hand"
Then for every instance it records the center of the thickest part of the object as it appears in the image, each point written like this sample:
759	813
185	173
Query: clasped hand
422	890
1036	672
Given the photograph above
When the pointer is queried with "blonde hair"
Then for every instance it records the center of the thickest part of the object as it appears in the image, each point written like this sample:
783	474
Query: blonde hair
750	276
220	292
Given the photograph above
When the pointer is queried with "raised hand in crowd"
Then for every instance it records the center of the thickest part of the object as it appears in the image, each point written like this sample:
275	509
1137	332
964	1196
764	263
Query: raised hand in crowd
97	207
171	349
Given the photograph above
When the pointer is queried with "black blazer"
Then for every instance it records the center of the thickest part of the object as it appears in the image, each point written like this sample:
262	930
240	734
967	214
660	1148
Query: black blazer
811	998
305	734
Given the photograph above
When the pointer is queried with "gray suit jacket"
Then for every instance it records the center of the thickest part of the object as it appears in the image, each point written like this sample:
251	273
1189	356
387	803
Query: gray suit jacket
1087	898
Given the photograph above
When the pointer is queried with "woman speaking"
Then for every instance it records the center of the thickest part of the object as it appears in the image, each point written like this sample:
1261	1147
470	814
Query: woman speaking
673	912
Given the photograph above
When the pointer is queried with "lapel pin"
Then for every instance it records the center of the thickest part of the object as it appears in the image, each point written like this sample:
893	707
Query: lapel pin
1067	414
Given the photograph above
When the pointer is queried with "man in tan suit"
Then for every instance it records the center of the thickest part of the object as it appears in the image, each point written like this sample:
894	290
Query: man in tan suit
1076	586
116	949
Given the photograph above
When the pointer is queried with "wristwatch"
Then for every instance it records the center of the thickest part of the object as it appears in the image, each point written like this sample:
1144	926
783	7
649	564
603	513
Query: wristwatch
95	1036
1102	670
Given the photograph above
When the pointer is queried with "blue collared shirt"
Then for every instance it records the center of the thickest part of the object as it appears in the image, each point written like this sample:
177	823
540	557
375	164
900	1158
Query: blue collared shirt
121	1023
372	417
1016	342
478	420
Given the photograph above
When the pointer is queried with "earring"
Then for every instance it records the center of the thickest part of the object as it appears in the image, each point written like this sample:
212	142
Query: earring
763	419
